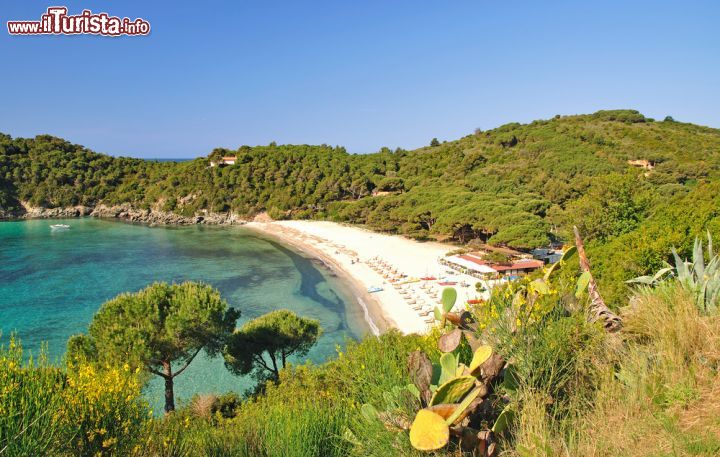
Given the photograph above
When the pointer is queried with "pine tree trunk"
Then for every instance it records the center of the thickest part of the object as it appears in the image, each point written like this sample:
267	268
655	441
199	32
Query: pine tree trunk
169	393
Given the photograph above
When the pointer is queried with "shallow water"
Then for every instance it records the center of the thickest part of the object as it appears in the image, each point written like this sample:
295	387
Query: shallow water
52	282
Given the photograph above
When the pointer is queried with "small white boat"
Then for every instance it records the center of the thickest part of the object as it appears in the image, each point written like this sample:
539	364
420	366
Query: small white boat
59	227
374	289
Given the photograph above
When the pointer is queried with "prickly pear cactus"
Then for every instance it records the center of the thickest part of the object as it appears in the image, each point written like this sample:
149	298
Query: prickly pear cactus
481	355
453	390
429	431
449	297
448	367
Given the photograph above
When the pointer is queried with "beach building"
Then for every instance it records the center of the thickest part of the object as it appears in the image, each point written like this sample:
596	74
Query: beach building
547	255
475	265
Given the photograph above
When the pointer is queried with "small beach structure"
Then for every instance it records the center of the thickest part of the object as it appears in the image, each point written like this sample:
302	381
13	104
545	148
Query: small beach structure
547	255
474	264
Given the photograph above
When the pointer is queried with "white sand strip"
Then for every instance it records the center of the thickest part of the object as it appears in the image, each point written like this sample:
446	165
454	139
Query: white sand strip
342	246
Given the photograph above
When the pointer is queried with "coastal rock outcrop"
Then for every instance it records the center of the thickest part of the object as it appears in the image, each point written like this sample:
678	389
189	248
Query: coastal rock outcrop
150	216
125	212
30	212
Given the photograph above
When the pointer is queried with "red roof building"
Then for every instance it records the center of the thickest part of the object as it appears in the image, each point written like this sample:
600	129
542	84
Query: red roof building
476	263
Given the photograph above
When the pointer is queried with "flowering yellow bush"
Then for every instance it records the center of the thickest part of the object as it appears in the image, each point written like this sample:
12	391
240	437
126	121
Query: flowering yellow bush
28	396
524	302
105	407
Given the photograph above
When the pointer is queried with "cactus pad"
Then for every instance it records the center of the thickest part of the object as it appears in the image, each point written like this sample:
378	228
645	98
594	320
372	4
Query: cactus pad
503	420
463	408
450	341
448	365
369	412
429	431
482	354
444	410
449	296
453	390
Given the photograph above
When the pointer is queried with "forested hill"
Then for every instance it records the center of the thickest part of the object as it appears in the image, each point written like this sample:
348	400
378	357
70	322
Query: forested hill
620	176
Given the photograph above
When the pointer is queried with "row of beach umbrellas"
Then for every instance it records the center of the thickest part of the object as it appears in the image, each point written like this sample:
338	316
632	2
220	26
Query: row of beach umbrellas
419	299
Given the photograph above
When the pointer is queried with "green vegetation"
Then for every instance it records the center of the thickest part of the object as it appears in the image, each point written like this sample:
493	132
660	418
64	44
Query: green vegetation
263	345
516	185
156	327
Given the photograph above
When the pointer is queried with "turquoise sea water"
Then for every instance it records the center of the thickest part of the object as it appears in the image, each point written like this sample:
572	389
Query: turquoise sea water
52	282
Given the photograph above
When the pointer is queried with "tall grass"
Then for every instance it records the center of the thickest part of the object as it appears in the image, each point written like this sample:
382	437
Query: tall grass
303	427
652	391
661	397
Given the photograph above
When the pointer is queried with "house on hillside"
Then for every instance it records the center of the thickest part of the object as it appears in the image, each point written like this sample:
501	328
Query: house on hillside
223	161
641	163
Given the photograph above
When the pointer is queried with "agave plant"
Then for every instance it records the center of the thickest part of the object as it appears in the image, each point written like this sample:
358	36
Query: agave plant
702	279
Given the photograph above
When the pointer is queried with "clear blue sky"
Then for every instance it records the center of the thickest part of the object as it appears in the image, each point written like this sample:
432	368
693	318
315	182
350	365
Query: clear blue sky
362	74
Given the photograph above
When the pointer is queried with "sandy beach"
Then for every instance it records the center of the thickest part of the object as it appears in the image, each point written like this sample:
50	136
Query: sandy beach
354	254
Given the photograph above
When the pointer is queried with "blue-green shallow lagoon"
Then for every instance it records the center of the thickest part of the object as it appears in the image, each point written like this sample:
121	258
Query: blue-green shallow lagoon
52	282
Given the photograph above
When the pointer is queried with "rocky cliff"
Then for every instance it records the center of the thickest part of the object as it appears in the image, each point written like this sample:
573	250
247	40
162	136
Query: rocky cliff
124	212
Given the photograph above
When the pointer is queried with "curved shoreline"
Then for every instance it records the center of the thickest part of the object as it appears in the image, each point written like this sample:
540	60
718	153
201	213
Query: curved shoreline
348	250
377	321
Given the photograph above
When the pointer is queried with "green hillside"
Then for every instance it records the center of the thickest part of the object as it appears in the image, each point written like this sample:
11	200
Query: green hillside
522	185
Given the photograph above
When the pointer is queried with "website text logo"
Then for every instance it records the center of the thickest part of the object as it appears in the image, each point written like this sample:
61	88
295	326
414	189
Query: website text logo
57	22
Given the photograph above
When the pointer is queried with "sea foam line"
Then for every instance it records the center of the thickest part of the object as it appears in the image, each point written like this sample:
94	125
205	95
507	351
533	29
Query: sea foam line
373	328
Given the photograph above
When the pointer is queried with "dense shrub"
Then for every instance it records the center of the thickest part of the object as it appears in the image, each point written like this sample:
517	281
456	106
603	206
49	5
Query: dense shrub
47	411
28	403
